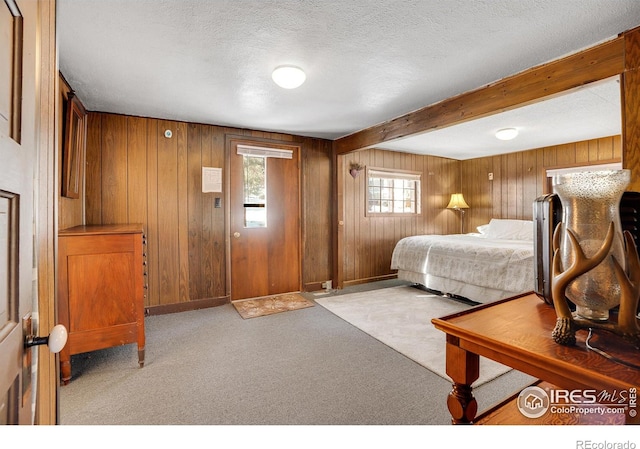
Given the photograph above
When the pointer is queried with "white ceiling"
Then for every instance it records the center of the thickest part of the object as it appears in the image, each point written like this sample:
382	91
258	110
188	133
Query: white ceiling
589	112
367	61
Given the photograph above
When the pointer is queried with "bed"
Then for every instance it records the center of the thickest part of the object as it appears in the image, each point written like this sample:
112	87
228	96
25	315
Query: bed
492	264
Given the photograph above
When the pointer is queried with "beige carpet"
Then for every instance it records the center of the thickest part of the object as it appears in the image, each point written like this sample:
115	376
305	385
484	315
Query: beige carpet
255	307
400	317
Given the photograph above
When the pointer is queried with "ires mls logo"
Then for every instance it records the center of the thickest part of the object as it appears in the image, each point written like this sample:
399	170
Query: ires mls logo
633	402
534	402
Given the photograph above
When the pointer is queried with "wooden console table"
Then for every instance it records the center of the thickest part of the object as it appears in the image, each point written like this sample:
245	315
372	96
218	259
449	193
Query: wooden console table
101	289
517	332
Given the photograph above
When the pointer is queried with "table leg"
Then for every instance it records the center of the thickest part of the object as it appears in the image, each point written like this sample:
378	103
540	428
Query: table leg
464	368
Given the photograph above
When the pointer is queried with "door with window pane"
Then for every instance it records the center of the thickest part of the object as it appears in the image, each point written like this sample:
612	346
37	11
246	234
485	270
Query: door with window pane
265	220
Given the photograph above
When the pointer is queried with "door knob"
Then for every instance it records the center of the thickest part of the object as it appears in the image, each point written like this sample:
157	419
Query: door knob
236	234
56	339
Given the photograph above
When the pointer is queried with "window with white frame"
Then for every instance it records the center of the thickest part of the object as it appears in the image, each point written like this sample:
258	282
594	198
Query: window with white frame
393	192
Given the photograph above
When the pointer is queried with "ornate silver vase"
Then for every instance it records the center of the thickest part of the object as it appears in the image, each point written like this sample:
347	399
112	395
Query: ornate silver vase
590	203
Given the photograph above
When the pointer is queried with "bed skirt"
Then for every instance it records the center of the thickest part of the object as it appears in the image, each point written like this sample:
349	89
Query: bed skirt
473	292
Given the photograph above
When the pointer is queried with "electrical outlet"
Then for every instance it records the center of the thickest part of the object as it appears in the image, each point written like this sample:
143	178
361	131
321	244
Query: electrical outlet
327	285
490	176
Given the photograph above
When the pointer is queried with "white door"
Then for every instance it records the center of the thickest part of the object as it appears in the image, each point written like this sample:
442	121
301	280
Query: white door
17	161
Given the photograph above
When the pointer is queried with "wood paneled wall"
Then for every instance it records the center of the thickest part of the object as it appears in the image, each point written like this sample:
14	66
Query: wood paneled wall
519	178
134	174
368	241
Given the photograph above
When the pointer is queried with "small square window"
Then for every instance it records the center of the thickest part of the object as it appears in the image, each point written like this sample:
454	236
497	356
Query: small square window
393	192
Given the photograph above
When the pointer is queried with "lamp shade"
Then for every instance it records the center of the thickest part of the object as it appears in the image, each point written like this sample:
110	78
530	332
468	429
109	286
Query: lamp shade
457	202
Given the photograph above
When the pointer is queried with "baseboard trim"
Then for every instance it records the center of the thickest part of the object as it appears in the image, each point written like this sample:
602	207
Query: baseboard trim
186	306
371	279
313	286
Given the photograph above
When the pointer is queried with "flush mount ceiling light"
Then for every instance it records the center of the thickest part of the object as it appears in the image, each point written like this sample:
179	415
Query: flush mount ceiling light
507	133
288	76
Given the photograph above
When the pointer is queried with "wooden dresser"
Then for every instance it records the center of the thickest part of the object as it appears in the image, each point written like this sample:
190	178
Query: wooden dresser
101	272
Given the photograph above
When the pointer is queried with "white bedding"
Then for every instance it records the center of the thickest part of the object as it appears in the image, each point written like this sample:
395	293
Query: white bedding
475	266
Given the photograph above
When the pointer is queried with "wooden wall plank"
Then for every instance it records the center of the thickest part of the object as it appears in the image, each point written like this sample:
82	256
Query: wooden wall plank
93	175
208	242
137	170
593	150
582	152
194	208
114	170
218	274
168	221
153	238
496	190
617	148
183	211
529	182
317	183
605	149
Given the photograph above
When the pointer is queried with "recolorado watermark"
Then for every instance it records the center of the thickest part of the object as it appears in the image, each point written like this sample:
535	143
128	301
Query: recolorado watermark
535	402
588	444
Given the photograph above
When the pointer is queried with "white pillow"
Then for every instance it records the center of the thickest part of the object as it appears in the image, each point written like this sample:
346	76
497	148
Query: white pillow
510	229
483	229
527	230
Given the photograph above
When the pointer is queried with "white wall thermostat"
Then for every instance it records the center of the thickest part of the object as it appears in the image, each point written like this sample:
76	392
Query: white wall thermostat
168	134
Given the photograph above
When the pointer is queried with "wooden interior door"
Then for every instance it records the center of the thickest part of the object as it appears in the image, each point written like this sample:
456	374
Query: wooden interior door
17	161
265	258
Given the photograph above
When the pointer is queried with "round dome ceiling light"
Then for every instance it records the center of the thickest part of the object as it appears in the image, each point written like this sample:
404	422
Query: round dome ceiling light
507	133
288	77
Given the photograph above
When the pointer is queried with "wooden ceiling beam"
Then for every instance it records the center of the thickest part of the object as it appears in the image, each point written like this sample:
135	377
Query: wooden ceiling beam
599	62
631	108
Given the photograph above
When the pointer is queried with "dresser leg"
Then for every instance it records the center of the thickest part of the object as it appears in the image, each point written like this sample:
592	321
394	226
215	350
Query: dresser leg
65	371
141	357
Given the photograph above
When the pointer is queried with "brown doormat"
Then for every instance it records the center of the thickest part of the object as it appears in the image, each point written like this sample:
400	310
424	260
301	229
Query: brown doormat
252	308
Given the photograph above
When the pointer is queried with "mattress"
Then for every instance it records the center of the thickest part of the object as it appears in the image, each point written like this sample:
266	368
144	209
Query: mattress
475	266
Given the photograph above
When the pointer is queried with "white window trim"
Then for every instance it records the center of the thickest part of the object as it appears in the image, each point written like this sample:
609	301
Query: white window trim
562	171
250	150
394	174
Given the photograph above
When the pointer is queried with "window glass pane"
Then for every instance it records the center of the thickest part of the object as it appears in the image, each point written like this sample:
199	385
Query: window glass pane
397	193
255	191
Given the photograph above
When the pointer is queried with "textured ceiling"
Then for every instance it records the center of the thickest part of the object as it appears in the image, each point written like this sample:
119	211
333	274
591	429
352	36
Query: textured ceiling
367	61
589	112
